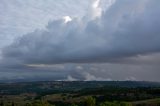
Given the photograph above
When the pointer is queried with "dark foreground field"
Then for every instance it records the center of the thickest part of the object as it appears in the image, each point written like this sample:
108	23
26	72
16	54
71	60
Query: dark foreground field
79	93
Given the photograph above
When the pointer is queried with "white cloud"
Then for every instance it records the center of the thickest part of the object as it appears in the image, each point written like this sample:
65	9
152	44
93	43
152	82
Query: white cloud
67	19
70	78
96	9
89	77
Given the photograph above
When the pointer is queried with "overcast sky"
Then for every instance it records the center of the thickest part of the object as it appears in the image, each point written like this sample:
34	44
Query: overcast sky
80	40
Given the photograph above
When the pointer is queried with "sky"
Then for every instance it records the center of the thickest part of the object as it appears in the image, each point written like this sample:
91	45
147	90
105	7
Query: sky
70	40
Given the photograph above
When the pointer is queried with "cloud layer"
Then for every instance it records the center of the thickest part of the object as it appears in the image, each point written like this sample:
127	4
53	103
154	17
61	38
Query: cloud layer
128	28
126	32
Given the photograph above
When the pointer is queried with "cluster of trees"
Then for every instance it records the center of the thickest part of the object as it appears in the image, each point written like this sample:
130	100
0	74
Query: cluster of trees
34	103
90	101
115	104
39	103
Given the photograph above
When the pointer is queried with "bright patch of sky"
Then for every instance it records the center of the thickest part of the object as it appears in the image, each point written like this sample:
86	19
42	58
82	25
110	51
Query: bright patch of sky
18	17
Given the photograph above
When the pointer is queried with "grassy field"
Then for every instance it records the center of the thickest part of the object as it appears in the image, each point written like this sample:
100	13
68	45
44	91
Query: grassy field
60	100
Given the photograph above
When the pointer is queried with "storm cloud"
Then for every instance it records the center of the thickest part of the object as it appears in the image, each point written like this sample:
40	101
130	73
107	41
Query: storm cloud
126	32
127	28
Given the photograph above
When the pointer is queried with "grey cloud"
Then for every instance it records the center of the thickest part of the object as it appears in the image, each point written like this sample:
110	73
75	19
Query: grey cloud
109	47
127	28
107	71
85	72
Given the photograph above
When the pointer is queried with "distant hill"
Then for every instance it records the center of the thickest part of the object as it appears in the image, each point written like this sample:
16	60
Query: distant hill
66	93
65	86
